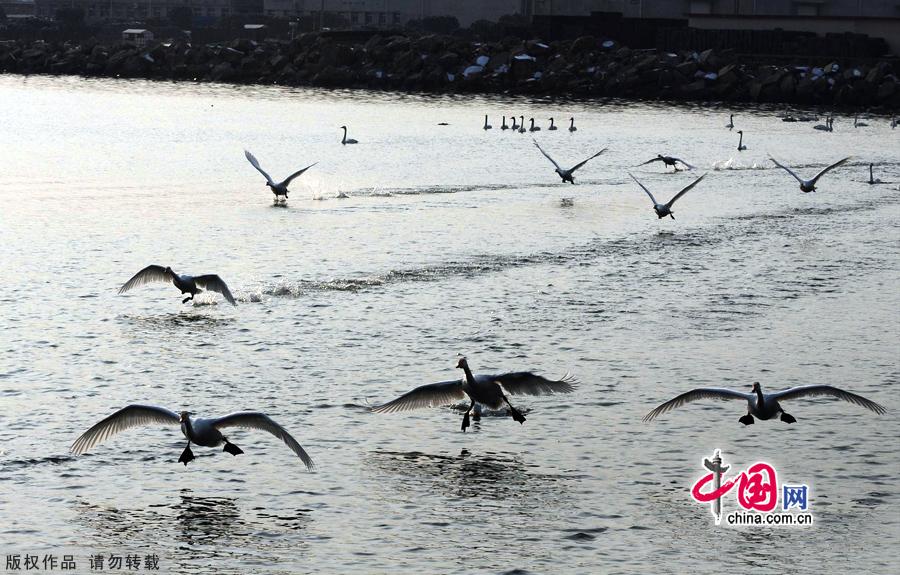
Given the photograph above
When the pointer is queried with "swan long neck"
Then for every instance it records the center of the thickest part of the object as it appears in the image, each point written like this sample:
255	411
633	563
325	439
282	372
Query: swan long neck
469	377
571	122
187	426
759	397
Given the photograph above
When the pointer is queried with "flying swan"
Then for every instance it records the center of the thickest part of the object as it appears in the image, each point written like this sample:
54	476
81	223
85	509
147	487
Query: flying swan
668	161
663	210
280	188
764	405
205	432
187	284
566	175
807	186
483	389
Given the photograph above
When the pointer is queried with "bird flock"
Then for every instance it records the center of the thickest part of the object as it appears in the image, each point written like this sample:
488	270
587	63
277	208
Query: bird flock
478	390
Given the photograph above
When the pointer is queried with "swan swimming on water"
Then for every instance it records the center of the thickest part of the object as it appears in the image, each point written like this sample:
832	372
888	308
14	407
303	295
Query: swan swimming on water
572	127
552	127
857	123
486	125
533	128
345	140
187	284
663	210
730	124
872	180
764	405
504	126
515	126
487	390
205	432
807	186
522	124
668	161
827	126
566	175
741	146
280	188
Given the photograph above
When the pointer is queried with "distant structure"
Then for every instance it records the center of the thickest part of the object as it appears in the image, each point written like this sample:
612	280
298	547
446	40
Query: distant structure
137	36
385	13
18	8
141	10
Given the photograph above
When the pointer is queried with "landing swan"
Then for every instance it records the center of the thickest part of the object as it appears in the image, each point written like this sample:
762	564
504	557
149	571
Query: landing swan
663	210
205	432
764	405
807	186
483	389
566	175
280	188
187	284
668	161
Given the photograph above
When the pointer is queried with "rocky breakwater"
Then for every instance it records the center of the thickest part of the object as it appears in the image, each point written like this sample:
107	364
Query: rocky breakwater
584	67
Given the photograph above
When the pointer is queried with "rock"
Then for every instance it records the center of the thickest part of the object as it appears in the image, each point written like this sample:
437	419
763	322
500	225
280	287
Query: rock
222	72
583	44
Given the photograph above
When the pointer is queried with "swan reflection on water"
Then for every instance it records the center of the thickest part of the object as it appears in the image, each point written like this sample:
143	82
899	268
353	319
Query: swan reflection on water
488	476
190	528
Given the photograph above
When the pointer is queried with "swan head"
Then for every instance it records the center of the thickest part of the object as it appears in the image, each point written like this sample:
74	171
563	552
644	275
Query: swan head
462	363
343	127
169	270
756	388
184	416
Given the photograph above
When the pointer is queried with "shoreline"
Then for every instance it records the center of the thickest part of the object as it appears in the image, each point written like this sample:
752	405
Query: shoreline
582	69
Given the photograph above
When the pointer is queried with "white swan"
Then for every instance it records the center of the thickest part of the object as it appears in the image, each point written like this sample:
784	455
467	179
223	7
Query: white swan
566	175
280	188
345	140
764	405
504	126
187	284
730	124
522	124
663	210
741	146
486	125
857	123
668	161
807	186
552	127
487	390
572	127
205	432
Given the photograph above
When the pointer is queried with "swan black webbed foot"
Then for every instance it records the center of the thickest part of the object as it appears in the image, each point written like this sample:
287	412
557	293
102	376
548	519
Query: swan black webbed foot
232	448
747	420
187	299
516	414
186	456
465	422
787	418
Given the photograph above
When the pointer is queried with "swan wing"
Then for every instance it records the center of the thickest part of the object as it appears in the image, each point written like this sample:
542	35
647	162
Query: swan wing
546	155
430	395
588	160
262	422
832	166
125	418
527	383
651	161
694	395
685	190
787	169
212	282
652	199
820	390
297	173
255	163
149	274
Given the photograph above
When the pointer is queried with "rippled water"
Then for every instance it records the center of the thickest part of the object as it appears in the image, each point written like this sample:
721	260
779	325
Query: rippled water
453	240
